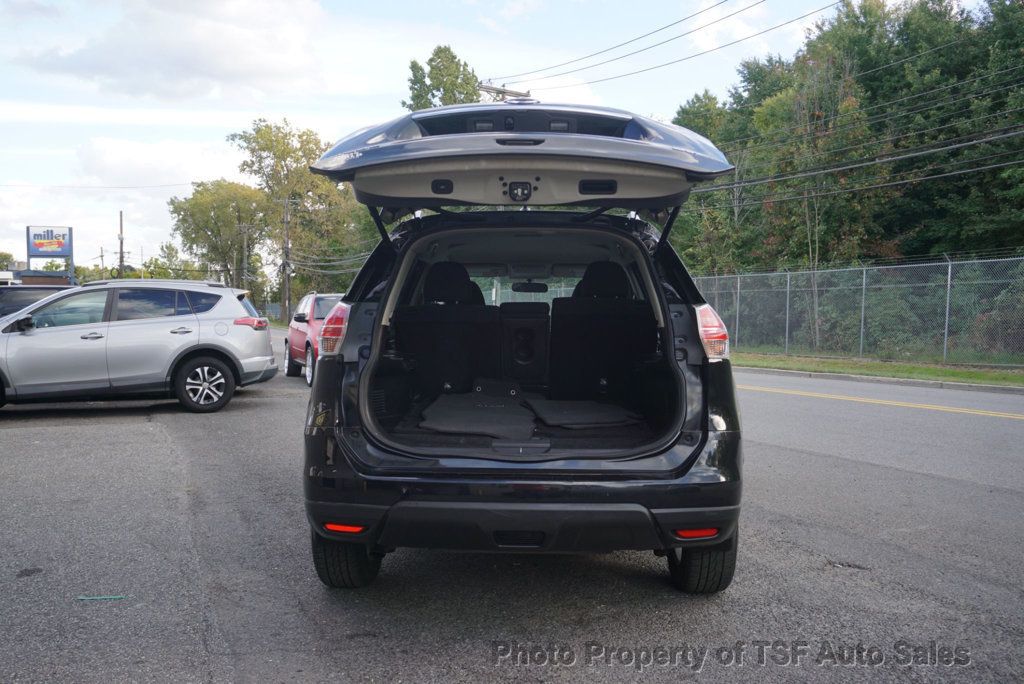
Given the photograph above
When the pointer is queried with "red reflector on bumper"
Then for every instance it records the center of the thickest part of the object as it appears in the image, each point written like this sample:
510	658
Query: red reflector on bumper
699	533
348	529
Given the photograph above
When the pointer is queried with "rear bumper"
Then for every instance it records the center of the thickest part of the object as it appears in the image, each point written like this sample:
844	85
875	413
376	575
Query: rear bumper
258	370
524	527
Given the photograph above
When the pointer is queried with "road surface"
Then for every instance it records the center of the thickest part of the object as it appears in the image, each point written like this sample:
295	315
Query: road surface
143	543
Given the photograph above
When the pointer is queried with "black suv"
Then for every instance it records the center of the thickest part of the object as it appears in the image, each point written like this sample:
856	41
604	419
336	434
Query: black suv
523	364
14	298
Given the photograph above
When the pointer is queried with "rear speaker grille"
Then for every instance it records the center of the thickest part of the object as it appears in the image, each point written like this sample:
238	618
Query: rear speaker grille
379	402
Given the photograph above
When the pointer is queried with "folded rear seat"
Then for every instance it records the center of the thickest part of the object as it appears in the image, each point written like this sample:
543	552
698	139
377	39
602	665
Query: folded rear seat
452	336
598	335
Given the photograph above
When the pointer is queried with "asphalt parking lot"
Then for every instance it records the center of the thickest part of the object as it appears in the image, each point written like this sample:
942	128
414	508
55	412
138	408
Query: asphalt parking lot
140	542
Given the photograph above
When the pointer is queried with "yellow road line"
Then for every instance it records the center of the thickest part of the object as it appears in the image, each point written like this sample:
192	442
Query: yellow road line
885	402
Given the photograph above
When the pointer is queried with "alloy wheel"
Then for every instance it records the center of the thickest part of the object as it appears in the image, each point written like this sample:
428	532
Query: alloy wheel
205	385
310	361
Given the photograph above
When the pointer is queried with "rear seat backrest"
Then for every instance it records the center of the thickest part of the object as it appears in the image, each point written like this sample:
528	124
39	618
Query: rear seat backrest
598	335
453	336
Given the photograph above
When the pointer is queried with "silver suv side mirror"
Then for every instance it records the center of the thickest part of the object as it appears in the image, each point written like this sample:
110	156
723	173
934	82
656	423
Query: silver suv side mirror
24	324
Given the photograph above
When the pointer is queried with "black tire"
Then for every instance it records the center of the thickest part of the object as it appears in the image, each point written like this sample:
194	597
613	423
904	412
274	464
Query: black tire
291	368
309	369
704	570
344	565
204	384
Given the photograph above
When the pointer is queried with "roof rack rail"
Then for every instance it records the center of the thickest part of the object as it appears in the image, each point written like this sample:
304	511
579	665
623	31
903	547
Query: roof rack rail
144	281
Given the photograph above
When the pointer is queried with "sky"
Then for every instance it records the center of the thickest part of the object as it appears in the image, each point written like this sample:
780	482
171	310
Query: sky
101	95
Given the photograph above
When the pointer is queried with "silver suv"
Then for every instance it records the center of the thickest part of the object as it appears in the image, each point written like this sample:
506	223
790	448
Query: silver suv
135	338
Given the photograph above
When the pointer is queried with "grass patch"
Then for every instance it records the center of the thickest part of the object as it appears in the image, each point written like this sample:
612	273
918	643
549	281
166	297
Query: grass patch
918	371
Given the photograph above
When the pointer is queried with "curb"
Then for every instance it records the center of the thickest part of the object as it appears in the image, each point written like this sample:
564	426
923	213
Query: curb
911	382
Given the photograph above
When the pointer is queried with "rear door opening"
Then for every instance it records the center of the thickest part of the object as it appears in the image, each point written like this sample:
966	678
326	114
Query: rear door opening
523	343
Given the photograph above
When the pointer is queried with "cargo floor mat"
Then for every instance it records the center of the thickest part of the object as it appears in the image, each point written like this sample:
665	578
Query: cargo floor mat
581	414
478	413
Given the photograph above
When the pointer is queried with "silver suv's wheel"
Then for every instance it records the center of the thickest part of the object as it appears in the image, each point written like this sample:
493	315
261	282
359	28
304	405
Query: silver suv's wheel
310	365
204	384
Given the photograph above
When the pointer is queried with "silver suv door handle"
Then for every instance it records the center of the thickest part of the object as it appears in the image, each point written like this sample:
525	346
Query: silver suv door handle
92	336
181	331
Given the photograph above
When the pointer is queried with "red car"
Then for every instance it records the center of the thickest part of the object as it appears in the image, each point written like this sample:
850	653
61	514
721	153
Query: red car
300	346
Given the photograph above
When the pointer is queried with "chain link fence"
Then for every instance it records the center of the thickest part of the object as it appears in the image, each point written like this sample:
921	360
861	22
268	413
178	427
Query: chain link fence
956	312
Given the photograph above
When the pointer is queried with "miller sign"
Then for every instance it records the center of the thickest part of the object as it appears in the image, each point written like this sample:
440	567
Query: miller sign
49	241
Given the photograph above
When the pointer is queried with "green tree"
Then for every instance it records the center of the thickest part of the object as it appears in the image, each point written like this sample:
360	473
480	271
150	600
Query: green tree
702	113
221	223
328	229
446	80
170	263
6	259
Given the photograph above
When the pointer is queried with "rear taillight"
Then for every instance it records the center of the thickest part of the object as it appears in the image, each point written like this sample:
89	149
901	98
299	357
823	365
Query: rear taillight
332	332
345	529
253	322
713	334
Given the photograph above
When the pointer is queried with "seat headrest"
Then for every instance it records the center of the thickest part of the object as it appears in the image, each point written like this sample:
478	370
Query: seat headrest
448	282
474	295
605	280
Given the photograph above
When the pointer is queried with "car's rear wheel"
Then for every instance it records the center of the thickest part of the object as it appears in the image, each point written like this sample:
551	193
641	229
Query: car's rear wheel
703	570
204	384
310	368
344	565
291	368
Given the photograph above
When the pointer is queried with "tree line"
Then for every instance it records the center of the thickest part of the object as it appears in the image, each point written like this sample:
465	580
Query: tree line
891	133
928	85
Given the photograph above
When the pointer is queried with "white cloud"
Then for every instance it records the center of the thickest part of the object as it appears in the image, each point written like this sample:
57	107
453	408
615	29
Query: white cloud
93	212
20	10
197	49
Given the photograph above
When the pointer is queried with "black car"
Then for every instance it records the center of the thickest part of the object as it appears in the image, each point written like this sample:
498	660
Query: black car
523	364
16	297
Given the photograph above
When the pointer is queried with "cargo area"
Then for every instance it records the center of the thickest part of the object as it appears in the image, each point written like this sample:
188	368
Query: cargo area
557	345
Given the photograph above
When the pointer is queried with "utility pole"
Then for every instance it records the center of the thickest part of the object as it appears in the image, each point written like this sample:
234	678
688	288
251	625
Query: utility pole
286	267
244	266
120	244
103	266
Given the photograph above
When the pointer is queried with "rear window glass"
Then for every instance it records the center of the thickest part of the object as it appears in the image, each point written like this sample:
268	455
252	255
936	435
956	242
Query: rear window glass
324	305
17	298
133	305
203	301
499	290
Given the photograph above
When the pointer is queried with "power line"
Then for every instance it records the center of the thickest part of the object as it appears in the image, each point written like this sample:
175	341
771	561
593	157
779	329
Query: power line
865	73
907	59
644	49
768	163
874	106
882	177
613	47
92	187
805	196
876	119
338	262
697	54
328	272
887	176
862	162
